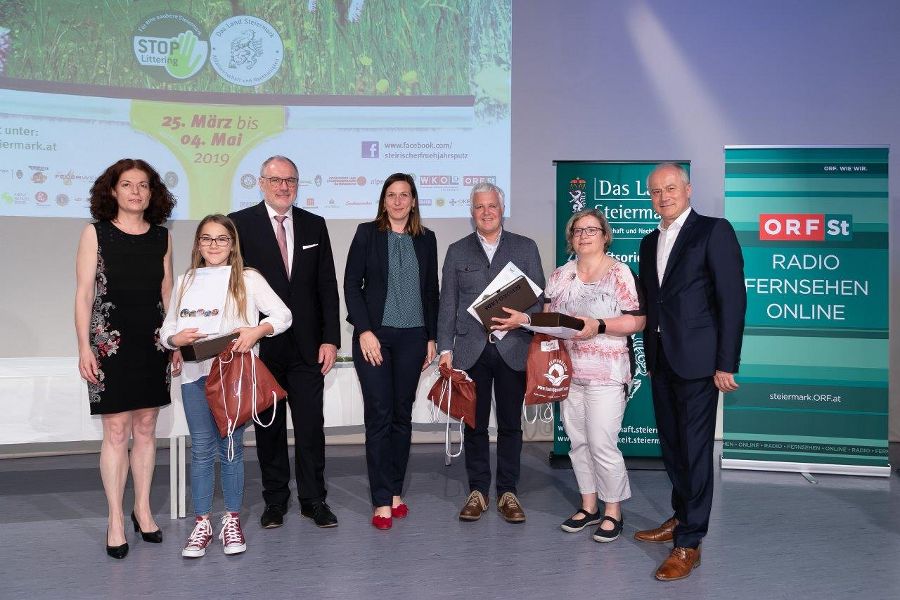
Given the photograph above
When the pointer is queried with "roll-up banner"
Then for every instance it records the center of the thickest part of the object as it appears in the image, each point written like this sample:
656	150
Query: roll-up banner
619	189
813	226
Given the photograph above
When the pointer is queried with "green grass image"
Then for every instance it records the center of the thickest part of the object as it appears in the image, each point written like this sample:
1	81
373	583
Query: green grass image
397	48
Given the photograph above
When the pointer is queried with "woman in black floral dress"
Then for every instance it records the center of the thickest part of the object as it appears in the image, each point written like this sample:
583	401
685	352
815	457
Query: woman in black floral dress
124	278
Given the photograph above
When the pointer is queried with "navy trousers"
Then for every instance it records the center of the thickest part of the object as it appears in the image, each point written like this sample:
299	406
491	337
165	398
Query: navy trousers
389	391
686	421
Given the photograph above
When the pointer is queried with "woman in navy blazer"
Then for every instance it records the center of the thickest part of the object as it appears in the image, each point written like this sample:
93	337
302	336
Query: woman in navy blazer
391	291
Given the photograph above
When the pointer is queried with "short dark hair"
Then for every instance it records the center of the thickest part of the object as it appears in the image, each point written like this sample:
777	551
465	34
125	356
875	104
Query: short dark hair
104	207
414	225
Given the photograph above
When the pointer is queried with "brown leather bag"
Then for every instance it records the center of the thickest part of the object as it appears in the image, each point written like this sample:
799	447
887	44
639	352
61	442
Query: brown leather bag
238	388
548	370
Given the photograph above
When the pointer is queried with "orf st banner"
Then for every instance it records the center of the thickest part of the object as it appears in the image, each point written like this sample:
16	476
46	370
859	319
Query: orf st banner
813	226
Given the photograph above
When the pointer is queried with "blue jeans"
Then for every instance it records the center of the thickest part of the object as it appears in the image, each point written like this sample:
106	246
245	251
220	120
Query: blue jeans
205	444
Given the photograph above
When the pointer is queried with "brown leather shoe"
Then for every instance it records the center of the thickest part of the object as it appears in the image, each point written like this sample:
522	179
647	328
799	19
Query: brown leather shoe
475	505
509	507
679	564
661	534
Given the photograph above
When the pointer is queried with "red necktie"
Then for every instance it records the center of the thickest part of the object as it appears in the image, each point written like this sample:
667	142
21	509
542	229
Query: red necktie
281	237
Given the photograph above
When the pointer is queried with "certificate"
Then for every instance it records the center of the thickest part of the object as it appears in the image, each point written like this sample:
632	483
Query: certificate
203	303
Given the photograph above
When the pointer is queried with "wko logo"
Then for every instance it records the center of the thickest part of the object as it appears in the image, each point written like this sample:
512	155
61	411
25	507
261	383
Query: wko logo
434	180
805	227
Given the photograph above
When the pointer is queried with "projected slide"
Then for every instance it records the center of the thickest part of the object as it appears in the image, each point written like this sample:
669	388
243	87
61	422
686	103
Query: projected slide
350	90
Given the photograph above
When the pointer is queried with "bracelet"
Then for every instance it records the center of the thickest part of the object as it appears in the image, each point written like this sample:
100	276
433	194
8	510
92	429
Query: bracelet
170	342
601	326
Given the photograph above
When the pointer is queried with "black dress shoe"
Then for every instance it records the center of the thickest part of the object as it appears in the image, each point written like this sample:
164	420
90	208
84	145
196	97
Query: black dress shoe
320	513
154	537
273	516
118	552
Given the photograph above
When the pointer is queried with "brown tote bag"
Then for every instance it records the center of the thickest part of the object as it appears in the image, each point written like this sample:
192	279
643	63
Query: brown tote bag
548	375
238	388
453	394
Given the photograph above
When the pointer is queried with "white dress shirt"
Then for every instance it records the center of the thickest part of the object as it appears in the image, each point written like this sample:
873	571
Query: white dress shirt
667	237
288	230
489	248
260	299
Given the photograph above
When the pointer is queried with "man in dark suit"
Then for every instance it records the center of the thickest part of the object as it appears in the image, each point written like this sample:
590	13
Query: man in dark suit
498	366
290	247
692	272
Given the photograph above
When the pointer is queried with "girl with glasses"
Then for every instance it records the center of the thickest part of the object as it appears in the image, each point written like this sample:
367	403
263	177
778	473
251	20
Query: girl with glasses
216	244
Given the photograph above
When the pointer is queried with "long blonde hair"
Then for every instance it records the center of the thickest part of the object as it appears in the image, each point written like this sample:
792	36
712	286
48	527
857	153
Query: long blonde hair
237	292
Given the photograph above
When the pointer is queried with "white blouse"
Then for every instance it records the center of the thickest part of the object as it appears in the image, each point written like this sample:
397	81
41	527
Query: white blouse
260	299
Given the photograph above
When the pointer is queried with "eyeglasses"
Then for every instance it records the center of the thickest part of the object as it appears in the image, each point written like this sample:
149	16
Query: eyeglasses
277	181
586	231
222	240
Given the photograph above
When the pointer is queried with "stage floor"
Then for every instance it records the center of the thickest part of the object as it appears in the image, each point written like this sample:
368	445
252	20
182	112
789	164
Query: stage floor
772	536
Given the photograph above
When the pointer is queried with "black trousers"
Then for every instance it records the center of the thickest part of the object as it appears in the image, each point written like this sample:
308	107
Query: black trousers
686	422
491	374
389	391
305	385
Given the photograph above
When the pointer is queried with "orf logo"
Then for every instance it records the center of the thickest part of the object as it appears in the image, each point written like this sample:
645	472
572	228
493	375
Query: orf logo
805	227
470	180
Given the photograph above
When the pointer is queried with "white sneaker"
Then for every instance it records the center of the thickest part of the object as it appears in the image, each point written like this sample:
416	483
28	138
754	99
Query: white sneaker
200	538
232	535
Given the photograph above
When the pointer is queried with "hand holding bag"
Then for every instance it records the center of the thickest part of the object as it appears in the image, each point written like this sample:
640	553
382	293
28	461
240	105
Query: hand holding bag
238	388
548	375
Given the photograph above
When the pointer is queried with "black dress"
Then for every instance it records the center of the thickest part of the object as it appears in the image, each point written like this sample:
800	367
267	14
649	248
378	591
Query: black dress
125	321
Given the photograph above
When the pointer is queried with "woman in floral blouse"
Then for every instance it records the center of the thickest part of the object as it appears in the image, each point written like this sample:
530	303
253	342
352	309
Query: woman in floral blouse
605	294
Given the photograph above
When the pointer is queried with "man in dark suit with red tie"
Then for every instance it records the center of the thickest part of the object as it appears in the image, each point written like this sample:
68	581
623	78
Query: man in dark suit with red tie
692	272
291	248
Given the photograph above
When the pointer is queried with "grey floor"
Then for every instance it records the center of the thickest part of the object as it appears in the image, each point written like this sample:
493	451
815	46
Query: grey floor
773	535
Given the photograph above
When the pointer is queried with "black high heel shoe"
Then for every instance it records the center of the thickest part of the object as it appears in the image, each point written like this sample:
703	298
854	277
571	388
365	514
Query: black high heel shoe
154	537
118	552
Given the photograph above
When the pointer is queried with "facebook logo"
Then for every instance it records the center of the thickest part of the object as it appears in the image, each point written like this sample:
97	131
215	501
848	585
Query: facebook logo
370	149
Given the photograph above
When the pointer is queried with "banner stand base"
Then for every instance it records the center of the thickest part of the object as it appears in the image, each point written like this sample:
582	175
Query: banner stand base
632	463
793	467
559	461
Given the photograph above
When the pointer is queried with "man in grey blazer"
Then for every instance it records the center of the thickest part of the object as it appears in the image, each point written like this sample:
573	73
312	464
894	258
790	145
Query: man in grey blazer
471	264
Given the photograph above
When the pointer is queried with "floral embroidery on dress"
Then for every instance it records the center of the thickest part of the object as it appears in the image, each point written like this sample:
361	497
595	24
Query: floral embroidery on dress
156	339
104	341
